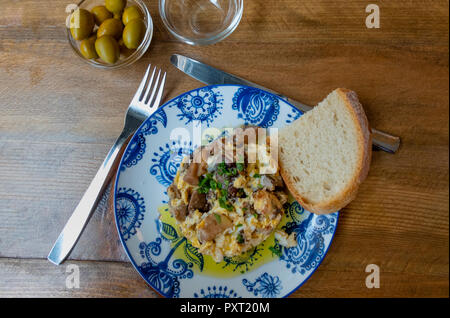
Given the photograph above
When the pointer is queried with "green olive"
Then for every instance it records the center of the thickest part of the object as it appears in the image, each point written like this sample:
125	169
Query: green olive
111	27
101	14
124	50
131	13
134	33
87	48
81	24
108	49
115	6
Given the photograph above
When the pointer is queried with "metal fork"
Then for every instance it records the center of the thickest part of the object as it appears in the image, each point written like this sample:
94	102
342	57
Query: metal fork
145	102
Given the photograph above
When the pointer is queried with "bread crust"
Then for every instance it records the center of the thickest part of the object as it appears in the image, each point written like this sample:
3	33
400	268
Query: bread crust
343	198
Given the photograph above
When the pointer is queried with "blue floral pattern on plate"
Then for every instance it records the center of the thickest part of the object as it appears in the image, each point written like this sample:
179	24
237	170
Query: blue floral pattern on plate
216	292
130	209
136	147
163	273
166	260
310	234
168	160
256	107
203	105
266	285
293	116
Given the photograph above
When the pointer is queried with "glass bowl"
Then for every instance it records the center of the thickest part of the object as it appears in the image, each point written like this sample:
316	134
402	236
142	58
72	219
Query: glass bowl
123	61
201	22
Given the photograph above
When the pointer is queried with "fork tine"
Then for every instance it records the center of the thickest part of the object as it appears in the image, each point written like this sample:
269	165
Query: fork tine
158	97
148	100
149	86
141	87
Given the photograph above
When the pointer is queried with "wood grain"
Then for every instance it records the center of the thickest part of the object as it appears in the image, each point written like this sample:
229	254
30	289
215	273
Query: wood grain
59	117
40	278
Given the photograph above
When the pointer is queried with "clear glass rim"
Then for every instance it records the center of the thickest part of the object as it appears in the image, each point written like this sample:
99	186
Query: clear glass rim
203	41
140	51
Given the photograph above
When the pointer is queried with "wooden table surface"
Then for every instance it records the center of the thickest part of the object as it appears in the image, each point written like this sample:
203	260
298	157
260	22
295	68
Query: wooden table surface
59	116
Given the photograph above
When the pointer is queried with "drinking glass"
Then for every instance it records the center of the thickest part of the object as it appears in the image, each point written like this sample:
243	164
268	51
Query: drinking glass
201	22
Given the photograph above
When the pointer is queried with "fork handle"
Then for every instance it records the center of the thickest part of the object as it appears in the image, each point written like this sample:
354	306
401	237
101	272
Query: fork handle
86	207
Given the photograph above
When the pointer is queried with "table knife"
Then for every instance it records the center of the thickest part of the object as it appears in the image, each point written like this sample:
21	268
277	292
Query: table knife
212	76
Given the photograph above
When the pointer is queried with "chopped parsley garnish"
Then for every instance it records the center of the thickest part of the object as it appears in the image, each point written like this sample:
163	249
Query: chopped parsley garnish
203	182
203	190
239	225
240	238
218	218
222	168
240	167
224	204
275	251
255	215
213	184
256	175
224	192
206	182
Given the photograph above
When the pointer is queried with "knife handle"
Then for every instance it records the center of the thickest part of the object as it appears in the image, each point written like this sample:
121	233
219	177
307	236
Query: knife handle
86	207
384	141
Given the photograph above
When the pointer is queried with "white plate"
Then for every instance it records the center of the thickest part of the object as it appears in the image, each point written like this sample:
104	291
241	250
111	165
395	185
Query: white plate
165	259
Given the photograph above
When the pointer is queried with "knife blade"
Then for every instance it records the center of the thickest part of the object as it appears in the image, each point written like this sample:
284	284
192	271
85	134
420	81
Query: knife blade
212	76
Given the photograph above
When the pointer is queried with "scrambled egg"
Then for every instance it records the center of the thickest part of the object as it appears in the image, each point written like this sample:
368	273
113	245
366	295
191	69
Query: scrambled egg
229	208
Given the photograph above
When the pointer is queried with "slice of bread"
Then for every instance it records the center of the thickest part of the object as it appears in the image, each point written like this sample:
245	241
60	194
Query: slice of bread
325	154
